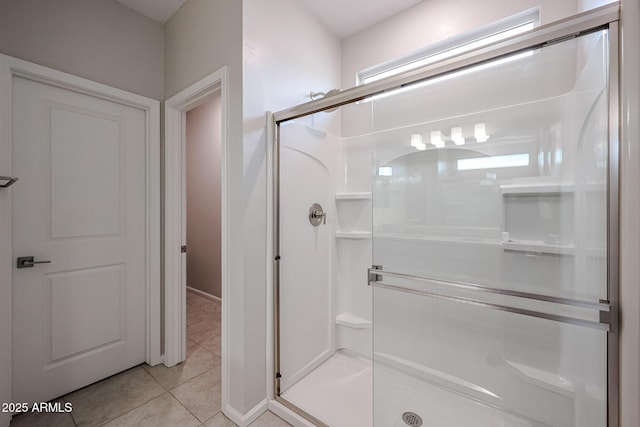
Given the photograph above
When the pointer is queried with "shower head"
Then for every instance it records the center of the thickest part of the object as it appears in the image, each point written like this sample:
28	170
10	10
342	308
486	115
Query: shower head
318	95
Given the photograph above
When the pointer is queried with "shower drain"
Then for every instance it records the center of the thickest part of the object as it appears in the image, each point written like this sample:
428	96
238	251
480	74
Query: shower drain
412	419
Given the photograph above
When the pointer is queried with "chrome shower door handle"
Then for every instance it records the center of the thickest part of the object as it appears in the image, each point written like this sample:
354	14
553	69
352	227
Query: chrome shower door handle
317	215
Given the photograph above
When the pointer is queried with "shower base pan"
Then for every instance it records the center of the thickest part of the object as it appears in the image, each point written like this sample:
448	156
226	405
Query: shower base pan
340	392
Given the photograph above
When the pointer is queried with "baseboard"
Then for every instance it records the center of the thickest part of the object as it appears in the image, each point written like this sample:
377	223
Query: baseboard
288	415
203	294
158	361
249	417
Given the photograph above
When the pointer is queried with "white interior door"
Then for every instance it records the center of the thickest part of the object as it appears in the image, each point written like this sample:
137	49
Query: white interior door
81	204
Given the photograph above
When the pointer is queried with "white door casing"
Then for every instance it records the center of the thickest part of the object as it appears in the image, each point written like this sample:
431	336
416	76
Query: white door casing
176	107
89	202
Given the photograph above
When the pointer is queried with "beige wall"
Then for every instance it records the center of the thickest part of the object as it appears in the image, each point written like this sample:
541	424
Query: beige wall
202	37
203	197
100	40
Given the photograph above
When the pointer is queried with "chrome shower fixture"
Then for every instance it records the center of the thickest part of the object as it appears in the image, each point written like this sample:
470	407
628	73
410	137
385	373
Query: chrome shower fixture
318	95
317	215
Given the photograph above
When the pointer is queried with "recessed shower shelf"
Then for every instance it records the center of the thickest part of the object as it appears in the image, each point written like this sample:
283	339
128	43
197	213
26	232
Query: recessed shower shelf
447	240
353	196
532	189
354	234
538	247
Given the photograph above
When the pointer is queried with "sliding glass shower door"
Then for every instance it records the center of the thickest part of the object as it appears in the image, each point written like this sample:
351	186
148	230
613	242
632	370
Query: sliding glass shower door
491	228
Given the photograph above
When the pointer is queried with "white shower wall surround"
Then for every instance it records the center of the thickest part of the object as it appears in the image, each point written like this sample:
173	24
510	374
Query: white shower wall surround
315	174
534	227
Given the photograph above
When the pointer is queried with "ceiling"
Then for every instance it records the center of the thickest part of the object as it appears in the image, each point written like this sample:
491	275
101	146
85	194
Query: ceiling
342	17
160	10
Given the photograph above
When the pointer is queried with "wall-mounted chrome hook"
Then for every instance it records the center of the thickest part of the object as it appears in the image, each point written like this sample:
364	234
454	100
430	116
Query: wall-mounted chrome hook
317	215
10	180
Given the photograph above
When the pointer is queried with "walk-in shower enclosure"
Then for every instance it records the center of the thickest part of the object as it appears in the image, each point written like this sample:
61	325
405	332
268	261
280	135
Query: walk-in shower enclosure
445	242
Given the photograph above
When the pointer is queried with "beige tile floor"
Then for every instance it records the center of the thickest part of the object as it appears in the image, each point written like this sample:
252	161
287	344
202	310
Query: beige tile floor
186	395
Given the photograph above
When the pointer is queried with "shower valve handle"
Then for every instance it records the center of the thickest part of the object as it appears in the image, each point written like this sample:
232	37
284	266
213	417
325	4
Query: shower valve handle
317	215
320	214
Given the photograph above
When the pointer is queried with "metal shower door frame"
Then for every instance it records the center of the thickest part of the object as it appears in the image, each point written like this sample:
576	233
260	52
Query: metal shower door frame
606	17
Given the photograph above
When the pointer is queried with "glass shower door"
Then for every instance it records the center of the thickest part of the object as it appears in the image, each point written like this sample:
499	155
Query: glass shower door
490	243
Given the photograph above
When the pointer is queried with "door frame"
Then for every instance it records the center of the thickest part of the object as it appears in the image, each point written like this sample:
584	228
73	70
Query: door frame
175	219
12	67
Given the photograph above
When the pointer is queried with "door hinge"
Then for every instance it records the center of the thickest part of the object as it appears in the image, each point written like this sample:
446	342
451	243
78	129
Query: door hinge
278	377
183	249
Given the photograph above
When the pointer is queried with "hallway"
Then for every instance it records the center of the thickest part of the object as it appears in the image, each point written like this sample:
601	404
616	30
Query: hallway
185	395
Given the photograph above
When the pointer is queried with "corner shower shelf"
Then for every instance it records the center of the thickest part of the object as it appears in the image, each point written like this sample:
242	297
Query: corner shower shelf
538	247
353	196
533	189
352	321
541	378
354	234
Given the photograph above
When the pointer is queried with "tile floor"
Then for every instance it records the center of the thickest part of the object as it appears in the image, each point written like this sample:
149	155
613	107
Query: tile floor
185	395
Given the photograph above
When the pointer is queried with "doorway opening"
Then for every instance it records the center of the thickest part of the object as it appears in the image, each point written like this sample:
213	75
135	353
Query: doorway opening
203	149
197	252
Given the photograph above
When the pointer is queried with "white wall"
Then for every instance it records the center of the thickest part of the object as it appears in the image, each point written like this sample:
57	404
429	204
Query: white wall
437	19
288	53
432	21
308	163
101	40
279	70
201	38
203	197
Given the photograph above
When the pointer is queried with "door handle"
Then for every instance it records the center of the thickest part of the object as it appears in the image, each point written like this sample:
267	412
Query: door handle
10	181
28	262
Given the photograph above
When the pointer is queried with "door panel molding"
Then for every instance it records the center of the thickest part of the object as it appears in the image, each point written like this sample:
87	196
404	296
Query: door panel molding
9	69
